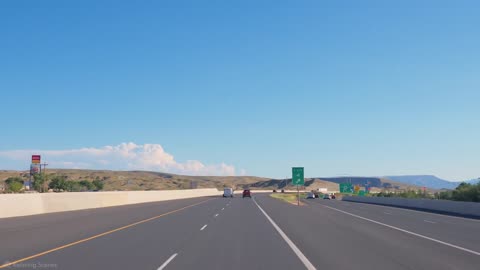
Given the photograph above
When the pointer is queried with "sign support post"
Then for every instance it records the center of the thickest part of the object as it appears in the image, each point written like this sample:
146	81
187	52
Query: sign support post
298	197
298	180
35	167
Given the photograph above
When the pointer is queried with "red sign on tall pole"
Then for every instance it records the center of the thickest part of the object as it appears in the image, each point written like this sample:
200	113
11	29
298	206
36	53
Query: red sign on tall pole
35	159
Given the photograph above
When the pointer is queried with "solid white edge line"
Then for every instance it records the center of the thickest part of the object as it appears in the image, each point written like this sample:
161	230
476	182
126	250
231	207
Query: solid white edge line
405	231
421	212
204	226
295	249
167	261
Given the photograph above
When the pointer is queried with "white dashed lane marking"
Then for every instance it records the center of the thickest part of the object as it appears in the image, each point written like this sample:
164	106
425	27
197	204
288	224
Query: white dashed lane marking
167	261
405	231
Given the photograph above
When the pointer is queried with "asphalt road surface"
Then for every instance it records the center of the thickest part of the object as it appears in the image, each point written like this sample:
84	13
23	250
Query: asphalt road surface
224	233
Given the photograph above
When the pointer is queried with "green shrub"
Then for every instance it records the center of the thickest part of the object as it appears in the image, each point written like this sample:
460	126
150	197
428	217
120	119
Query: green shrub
73	186
98	184
466	192
40	182
87	185
58	183
15	186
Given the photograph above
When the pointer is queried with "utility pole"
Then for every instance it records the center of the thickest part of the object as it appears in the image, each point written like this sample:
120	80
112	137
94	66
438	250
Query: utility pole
44	167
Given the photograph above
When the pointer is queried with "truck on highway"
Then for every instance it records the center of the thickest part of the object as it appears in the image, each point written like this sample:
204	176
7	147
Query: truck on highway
228	192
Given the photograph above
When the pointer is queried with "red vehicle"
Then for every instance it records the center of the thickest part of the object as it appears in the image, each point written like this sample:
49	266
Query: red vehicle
246	193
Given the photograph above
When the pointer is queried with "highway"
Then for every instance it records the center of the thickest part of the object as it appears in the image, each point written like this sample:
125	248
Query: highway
224	233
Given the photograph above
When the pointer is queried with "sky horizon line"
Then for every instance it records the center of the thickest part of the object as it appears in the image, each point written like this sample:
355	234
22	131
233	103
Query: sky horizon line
259	176
129	156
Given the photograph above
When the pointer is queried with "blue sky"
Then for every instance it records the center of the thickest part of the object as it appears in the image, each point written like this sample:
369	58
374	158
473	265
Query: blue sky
251	88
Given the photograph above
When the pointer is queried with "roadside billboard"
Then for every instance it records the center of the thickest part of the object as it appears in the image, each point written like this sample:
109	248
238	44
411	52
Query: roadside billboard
36	159
34	169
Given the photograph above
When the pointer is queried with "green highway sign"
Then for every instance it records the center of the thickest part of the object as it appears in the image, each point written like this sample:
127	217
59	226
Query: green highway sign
297	176
346	188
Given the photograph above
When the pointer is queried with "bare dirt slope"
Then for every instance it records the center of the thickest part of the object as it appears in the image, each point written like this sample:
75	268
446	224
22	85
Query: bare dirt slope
143	180
146	180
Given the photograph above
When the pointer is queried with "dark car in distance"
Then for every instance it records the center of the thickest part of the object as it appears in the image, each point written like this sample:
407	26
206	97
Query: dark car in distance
246	193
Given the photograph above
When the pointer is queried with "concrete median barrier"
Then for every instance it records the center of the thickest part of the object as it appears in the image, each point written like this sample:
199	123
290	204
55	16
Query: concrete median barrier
467	209
13	205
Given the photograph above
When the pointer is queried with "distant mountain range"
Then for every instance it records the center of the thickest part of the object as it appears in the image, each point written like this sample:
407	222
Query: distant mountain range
429	181
144	180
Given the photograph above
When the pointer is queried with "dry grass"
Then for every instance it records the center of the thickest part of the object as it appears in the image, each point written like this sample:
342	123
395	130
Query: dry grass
145	180
288	197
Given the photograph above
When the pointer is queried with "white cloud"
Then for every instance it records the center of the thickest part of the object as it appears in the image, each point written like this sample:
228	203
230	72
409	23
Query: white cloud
125	156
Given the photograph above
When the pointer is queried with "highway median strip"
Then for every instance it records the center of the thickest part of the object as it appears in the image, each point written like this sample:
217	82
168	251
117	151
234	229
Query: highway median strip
288	197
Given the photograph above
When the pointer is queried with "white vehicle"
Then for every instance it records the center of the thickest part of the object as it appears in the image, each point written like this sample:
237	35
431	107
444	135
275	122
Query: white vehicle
228	192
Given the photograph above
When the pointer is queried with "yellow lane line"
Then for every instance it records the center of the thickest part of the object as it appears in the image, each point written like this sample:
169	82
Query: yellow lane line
98	235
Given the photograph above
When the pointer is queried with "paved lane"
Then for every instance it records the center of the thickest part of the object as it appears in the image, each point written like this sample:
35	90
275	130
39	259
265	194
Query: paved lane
219	233
458	231
214	234
331	239
133	246
241	237
23	236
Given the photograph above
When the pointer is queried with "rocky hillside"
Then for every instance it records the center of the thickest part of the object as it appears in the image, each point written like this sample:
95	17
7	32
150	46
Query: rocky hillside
145	180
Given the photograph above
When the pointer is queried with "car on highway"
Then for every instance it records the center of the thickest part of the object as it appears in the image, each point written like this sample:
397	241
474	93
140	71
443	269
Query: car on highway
228	192
326	197
310	195
246	193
